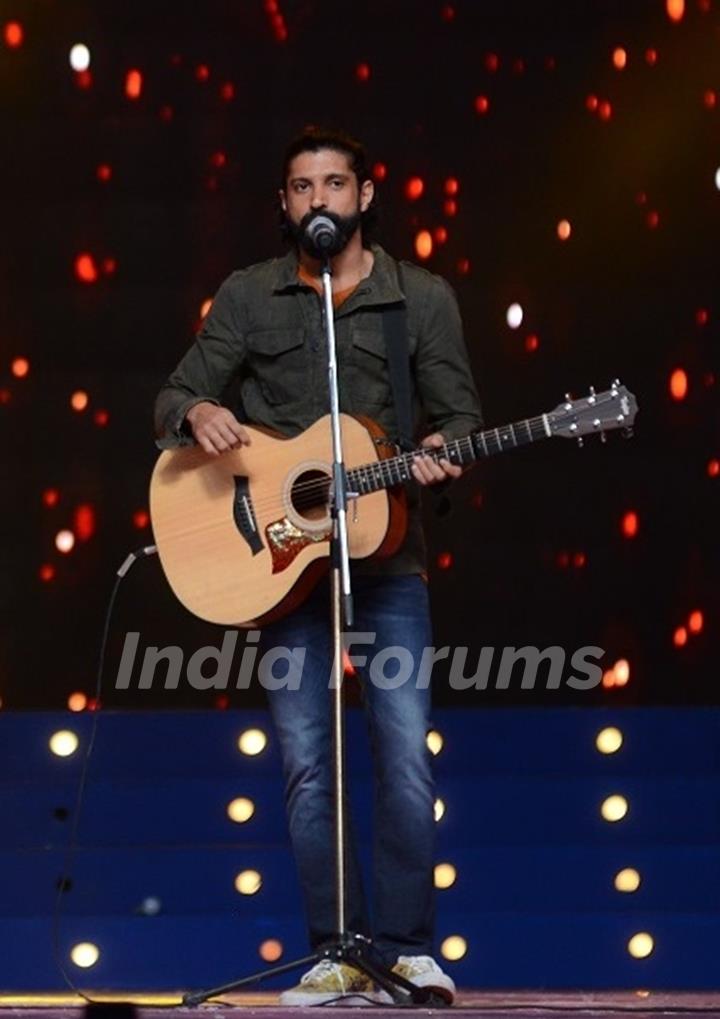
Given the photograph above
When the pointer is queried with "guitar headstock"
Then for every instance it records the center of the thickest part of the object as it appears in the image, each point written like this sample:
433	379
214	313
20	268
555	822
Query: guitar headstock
616	407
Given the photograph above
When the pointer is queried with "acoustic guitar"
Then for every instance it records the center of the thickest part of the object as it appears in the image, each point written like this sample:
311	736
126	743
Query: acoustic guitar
244	536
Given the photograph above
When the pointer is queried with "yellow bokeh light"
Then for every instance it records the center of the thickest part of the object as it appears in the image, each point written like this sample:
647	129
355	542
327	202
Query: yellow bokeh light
63	743
423	244
619	58
609	740
252	742
675	9
240	809
439	809
85	954
445	875
434	742
614	808
79	400
271	950
248	882
627	880
621	668
641	945
453	948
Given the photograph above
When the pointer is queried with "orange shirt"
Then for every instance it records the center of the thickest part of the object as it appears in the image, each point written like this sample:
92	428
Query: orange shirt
338	296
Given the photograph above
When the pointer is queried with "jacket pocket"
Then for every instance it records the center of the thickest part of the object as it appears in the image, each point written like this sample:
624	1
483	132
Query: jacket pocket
370	371
277	360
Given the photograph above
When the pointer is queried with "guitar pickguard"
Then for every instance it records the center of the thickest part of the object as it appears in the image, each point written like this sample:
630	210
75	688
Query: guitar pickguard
286	541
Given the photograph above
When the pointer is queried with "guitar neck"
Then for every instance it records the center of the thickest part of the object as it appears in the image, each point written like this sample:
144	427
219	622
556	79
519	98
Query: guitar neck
476	446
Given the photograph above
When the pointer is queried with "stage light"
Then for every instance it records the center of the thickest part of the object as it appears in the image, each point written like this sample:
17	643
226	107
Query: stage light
444	560
452	186
133	84
362	72
439	809
614	808
651	57
675	9
629	525
271	950
678	384
492	62
227	91
248	882
445	875
609	740
141	518
564	229
104	172
592	103
702	317
13	34
680	637
619	58
63	743
202	72
641	945
20	367
450	207
695	621
713	468
441	235
531	343
710	98
84	522
604	110
482	105
240	809
101	418
46	573
64	541
453	948
79	57
423	244
379	171
218	159
514	316
652	219
205	307
77	701
414	188
717	178
50	497
627	880
434	742
252	742
79	400
85	954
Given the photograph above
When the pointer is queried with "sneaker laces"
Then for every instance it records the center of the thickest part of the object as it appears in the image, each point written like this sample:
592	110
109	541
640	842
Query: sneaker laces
417	963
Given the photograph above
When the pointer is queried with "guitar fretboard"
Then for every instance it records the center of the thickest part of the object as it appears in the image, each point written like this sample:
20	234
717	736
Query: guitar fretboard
396	469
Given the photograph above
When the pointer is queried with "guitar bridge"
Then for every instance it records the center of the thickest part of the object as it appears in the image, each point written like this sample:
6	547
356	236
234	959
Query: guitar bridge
244	515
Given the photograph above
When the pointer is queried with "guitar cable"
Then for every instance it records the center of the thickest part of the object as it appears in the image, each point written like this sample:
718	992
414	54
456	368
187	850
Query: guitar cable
64	882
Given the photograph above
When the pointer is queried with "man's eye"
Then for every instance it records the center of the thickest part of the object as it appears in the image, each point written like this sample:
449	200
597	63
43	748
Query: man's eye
337	183
301	187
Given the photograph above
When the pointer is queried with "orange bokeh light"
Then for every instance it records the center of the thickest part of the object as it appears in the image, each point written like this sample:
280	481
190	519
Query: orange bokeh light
271	950
452	186
13	34
141	518
604	110
713	468
85	268
50	497
450	207
84	522
20	367
205	307
79	400
379	171
423	244
592	103
619	58
77	701
101	418
441	235
414	188
630	524
678	384
651	57
680	637
482	104
46	573
675	9
695	621
133	84
564	229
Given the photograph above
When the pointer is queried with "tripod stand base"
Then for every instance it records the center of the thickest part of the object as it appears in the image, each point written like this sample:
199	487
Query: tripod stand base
353	950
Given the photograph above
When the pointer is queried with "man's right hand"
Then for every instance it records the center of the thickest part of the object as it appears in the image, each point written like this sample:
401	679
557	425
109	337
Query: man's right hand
215	428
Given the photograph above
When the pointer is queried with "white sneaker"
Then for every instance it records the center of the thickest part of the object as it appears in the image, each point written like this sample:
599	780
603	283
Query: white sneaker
329	981
423	971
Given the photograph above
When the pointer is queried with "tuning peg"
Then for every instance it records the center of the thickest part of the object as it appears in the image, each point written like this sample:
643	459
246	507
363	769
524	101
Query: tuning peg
592	390
603	437
580	441
628	432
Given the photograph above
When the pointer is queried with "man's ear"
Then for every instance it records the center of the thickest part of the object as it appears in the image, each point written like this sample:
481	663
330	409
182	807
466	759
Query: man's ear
367	192
283	202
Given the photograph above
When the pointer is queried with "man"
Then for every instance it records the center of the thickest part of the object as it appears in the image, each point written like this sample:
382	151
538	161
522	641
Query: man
265	327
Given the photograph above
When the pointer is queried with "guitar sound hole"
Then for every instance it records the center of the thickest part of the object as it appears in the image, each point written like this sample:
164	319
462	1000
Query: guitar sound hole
310	494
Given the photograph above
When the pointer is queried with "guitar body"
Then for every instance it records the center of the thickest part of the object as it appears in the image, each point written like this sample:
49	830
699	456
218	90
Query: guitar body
242	537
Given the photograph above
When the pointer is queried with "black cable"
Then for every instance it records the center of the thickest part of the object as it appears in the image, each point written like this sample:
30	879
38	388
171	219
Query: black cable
70	849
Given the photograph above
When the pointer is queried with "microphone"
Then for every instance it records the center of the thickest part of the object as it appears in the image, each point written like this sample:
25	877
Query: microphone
322	233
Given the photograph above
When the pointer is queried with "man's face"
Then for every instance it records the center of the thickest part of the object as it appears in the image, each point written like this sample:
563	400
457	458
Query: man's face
324	182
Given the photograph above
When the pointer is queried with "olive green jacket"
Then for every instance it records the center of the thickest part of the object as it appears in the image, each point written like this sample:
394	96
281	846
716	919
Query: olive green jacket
261	352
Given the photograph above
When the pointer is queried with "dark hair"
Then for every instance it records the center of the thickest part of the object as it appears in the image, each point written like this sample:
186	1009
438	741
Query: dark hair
313	139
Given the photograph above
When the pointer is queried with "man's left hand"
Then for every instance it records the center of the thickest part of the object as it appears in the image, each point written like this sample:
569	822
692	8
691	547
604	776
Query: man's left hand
427	471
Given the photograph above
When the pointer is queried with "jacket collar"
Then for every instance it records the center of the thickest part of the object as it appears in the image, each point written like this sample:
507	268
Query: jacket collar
380	287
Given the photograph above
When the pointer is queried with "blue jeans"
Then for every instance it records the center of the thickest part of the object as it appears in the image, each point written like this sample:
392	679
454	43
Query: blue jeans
396	610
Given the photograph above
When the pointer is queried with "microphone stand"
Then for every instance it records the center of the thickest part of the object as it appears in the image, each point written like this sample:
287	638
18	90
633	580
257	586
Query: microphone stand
347	946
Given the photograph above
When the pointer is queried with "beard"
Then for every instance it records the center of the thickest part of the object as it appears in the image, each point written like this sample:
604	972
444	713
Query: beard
346	227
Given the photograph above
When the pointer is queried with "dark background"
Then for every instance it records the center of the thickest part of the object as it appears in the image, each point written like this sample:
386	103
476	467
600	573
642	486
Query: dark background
618	299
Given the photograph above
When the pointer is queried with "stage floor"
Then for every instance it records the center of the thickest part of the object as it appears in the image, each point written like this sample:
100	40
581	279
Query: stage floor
488	1004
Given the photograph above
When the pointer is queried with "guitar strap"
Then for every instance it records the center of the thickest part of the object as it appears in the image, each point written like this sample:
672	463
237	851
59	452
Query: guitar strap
398	355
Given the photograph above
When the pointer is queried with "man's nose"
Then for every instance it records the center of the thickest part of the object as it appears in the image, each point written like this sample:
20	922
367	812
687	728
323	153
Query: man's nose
318	200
